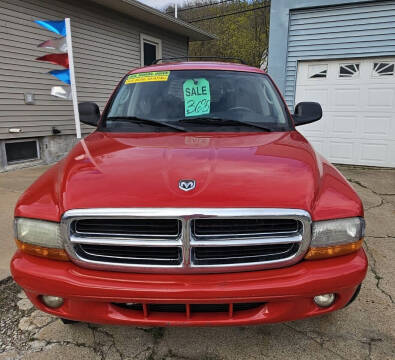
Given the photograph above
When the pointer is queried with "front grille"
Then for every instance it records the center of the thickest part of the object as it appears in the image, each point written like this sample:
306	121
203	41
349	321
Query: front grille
247	254
230	309
186	240
129	227
130	254
243	227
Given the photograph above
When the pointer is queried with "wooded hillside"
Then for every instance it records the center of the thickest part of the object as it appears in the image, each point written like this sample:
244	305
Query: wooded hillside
242	31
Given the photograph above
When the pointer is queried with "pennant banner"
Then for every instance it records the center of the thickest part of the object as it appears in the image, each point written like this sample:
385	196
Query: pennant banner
65	59
63	92
58	44
57	59
58	27
62	75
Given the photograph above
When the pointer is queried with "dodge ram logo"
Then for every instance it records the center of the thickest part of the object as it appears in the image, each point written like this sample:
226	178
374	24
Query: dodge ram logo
186	185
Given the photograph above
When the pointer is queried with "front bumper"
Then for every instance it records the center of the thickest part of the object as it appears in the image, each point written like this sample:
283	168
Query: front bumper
287	293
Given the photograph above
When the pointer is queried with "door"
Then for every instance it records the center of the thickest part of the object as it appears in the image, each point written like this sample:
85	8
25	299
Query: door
358	102
151	49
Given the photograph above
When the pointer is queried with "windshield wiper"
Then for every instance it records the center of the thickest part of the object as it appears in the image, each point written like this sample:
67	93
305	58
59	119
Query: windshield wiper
147	121
221	121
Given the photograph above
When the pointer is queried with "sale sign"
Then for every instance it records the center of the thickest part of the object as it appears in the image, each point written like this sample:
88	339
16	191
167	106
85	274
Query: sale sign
197	97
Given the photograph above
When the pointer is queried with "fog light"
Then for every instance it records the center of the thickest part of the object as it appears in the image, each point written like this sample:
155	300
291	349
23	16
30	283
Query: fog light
324	300
52	301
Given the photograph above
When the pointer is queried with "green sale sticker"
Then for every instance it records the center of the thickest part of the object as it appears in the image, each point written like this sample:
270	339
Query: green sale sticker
196	97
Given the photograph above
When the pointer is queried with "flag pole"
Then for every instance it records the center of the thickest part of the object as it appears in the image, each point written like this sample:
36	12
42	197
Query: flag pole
72	79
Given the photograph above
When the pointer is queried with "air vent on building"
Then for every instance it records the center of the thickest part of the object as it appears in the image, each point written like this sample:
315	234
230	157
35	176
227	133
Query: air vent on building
19	151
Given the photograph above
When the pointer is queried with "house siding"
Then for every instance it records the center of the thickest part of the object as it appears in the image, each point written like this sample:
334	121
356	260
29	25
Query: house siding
338	32
106	45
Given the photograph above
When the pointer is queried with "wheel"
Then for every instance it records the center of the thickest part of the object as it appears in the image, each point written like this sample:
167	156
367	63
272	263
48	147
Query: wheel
355	295
68	321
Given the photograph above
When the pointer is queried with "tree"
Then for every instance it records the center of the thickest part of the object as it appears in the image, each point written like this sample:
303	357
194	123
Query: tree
242	28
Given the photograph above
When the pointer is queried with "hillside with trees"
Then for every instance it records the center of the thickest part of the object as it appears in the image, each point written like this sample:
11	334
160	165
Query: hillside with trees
242	28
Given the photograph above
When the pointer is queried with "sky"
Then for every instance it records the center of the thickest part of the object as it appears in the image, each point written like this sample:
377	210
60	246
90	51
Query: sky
160	4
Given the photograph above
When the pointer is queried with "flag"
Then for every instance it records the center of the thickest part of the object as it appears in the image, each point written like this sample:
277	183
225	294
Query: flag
62	75
58	44
63	92
57	59
57	26
65	59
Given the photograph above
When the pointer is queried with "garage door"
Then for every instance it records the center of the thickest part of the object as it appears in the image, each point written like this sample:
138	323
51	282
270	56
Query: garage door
358	101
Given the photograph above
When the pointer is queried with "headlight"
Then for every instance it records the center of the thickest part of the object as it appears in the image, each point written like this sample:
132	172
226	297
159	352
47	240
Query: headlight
38	232
337	232
40	238
336	237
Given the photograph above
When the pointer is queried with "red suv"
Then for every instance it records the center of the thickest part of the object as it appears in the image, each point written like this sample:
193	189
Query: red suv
195	202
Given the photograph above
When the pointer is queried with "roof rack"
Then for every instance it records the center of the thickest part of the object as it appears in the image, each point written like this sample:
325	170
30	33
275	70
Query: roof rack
199	57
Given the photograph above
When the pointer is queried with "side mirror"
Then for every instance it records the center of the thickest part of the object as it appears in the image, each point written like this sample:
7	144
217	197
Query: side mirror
306	113
89	113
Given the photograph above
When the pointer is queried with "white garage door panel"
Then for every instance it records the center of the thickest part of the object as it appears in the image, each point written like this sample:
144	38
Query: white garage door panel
358	101
343	125
380	99
377	126
346	99
341	151
375	154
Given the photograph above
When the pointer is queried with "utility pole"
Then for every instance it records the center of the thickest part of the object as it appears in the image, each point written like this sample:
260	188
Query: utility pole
175	10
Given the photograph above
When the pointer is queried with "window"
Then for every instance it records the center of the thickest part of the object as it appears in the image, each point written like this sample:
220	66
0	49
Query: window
349	70
381	69
318	71
197	100
21	150
151	49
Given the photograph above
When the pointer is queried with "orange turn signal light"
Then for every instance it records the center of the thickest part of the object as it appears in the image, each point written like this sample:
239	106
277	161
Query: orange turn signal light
49	253
332	251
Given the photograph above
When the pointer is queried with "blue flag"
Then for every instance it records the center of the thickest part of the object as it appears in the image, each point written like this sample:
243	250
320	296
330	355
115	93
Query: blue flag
62	75
57	26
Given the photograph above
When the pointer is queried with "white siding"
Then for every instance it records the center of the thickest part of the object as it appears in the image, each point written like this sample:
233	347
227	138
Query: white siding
106	45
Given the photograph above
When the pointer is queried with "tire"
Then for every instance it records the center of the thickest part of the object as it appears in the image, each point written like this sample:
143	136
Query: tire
355	295
68	321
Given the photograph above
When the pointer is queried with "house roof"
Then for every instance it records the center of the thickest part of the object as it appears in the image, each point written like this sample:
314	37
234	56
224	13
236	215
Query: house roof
137	10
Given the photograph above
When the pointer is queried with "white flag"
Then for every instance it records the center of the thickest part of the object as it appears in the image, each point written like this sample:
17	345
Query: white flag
58	44
63	92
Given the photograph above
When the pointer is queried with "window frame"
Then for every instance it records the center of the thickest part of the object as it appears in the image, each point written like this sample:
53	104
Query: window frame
376	75
102	126
313	76
3	150
144	38
344	65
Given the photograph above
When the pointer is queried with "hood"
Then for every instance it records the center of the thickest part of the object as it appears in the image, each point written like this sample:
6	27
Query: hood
230	170
241	170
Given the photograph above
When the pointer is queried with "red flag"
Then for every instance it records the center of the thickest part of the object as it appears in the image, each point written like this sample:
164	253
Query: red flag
57	59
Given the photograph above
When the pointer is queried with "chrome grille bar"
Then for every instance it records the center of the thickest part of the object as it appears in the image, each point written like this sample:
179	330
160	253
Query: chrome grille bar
186	240
114	241
248	242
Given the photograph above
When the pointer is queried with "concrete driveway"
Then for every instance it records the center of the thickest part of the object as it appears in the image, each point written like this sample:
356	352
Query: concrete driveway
364	330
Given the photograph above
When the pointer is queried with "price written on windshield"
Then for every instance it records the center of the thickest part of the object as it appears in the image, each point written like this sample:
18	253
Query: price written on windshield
196	97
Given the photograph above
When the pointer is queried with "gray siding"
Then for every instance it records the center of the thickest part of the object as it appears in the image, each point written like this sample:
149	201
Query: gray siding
106	45
337	32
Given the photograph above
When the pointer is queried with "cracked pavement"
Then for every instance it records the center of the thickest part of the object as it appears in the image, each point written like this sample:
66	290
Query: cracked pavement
364	330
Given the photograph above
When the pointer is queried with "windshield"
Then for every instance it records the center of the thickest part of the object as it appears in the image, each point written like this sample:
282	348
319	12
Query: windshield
196	100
